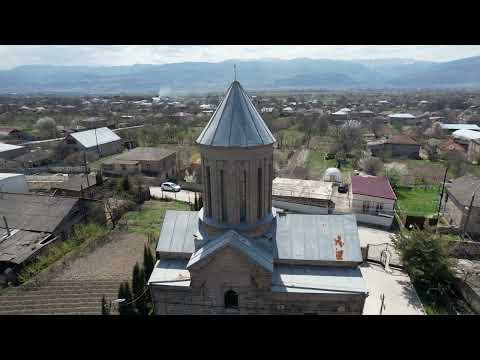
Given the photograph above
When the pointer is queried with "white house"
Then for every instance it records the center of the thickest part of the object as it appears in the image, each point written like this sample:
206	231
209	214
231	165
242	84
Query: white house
373	200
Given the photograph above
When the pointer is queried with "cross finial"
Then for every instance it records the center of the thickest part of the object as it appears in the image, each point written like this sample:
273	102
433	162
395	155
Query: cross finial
235	71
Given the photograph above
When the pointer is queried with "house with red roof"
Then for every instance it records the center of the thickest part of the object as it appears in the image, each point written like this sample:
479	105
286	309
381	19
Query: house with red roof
373	200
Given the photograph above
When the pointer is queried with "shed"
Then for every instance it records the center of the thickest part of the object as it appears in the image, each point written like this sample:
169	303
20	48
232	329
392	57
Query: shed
333	175
13	183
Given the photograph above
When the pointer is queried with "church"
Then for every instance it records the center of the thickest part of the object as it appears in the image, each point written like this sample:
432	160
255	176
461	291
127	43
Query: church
237	255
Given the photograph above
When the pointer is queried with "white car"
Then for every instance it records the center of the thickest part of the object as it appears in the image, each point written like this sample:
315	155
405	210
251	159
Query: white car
169	186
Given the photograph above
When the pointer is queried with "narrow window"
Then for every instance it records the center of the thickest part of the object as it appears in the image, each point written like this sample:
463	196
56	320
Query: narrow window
223	198
231	299
259	189
243	196
209	193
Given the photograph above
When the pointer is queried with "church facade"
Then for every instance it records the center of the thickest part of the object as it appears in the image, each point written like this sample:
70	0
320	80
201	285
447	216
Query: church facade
236	255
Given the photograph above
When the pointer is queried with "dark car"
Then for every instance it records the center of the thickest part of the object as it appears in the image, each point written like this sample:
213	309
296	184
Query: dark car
343	189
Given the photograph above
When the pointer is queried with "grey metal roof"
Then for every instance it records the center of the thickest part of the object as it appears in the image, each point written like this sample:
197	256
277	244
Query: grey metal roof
459	126
20	245
89	138
236	123
177	235
171	272
8	147
34	212
236	241
315	279
145	154
462	189
76	182
310	239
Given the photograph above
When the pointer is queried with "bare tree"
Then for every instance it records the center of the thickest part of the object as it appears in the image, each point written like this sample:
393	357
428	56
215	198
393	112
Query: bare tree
371	165
46	127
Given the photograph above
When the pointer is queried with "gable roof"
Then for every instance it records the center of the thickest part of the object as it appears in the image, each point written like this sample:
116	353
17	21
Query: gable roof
401	139
89	138
145	154
462	189
8	147
34	212
376	186
459	126
177	235
236	123
237	241
401	116
466	134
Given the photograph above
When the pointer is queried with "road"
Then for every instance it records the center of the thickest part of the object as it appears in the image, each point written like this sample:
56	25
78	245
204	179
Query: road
182	195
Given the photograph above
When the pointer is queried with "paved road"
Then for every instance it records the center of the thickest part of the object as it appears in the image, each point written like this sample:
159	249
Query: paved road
182	195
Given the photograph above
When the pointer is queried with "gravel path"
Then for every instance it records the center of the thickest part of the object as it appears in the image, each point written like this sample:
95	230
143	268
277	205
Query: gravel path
114	260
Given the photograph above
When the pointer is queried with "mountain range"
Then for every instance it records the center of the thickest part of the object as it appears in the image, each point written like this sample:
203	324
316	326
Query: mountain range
263	74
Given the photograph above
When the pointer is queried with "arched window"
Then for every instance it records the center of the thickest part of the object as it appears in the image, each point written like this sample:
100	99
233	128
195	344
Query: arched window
231	299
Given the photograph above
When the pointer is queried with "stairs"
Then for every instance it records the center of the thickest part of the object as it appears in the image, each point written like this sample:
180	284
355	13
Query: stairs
70	297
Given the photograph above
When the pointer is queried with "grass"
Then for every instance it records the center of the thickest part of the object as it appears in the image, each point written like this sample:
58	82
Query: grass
83	234
418	201
148	221
316	164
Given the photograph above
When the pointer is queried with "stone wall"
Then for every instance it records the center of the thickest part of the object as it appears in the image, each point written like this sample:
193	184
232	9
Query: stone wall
465	250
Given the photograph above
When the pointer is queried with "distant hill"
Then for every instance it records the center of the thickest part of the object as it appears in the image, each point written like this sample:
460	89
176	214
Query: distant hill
264	74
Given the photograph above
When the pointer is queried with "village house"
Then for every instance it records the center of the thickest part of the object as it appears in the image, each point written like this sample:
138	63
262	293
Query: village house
399	145
464	136
29	223
148	161
402	119
456	201
8	152
35	158
80	185
236	255
101	141
373	200
450	128
13	183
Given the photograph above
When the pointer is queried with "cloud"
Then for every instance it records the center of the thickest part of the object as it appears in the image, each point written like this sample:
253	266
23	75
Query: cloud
111	55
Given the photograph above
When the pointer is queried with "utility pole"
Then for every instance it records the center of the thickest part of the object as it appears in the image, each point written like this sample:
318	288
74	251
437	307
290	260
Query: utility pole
441	196
96	139
382	305
468	215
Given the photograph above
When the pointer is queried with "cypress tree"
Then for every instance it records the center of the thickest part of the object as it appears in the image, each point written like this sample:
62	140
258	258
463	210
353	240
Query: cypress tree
121	295
105	307
148	262
141	304
128	300
137	285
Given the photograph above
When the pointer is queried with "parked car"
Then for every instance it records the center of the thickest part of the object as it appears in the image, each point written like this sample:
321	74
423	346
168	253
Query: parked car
343	189
170	186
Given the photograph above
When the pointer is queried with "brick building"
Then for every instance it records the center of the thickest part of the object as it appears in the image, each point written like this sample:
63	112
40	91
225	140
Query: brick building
236	255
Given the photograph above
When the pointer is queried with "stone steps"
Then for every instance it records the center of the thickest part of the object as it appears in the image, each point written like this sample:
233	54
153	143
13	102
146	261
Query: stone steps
59	297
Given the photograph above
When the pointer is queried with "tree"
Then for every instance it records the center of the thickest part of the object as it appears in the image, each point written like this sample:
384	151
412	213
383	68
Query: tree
46	127
105	307
125	184
371	165
348	138
148	261
457	162
125	307
394	173
431	147
377	126
425	257
138	289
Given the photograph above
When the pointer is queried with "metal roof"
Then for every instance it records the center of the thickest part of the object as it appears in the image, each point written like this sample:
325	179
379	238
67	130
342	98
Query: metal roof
8	147
462	189
237	241
145	154
459	126
34	212
314	279
311	239
402	116
177	235
302	188
171	272
466	134
236	123
20	245
76	182
89	138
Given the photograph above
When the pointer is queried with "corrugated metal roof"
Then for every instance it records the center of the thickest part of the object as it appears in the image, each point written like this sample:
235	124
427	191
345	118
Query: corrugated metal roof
459	126
237	241
402	116
466	134
34	212
311	238
177	235
236	123
145	154
302	188
314	279
89	138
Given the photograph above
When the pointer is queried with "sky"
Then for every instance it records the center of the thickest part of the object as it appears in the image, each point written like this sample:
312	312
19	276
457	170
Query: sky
110	55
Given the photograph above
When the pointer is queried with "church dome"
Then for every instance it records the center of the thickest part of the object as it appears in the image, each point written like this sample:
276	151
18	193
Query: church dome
332	174
236	123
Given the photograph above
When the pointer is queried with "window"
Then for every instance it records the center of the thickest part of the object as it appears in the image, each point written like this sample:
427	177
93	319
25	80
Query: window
243	196
223	198
379	207
366	206
259	189
209	193
231	299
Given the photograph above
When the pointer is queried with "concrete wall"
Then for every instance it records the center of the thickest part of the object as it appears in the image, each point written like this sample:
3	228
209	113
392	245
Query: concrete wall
383	221
473	151
358	201
465	249
456	215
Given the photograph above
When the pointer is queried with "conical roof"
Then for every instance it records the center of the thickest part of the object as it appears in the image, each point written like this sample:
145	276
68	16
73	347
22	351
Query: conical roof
236	123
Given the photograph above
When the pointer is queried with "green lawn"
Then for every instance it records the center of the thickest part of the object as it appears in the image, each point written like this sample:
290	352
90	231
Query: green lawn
418	201
149	219
316	164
